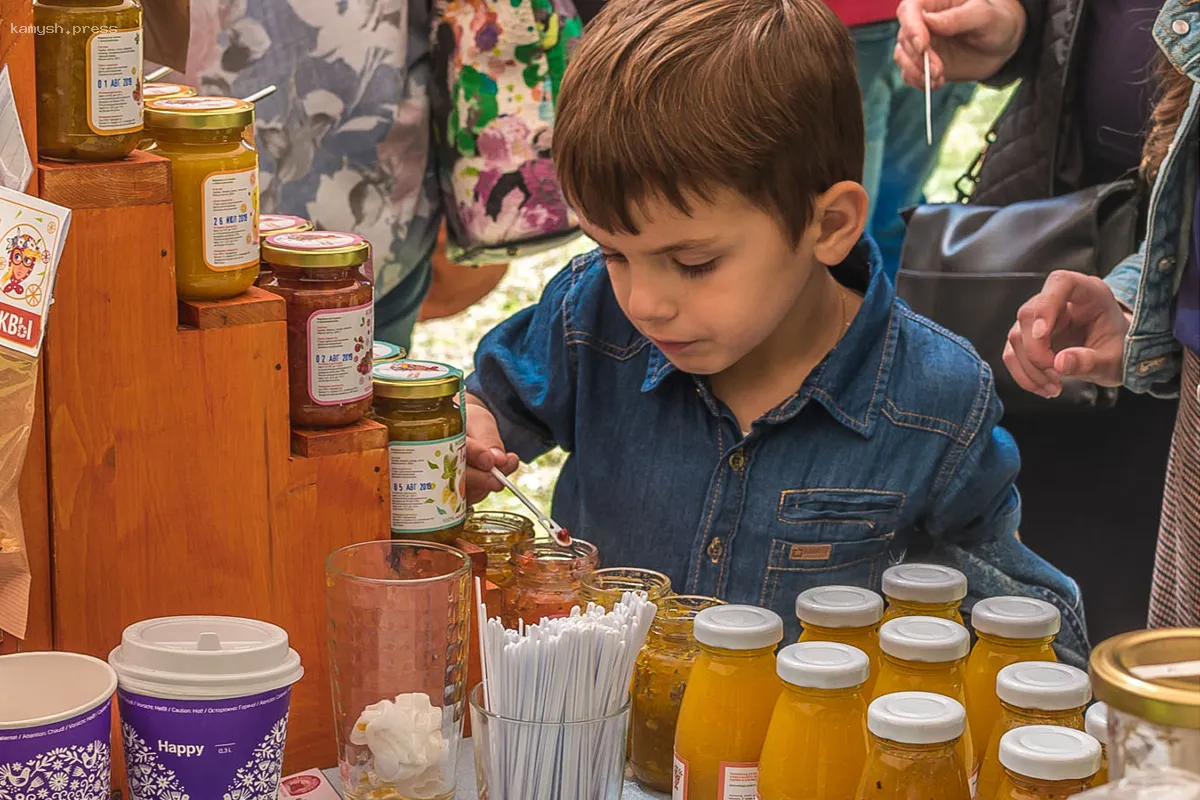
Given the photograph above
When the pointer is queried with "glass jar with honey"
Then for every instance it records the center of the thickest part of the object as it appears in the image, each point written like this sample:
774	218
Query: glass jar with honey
1095	723
924	590
606	587
914	749
496	533
545	580
162	91
846	614
1045	762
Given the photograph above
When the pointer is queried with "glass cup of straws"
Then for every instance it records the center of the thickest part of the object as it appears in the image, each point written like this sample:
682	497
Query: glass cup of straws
399	621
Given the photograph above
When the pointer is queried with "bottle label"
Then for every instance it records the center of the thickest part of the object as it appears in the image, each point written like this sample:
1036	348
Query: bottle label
231	219
339	354
679	779
429	484
114	75
738	781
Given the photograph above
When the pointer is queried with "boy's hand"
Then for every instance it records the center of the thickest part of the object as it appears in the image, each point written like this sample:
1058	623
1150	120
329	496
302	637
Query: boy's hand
971	39
485	450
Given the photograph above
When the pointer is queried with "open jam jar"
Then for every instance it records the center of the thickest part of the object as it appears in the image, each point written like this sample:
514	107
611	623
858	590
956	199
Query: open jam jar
330	323
546	580
496	532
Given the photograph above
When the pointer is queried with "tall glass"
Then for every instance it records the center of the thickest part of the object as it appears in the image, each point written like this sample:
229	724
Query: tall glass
399	622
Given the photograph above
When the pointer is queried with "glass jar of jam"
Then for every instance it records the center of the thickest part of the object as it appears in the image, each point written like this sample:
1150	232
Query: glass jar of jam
270	224
427	446
214	177
382	352
89	78
606	587
161	91
496	532
545	580
330	324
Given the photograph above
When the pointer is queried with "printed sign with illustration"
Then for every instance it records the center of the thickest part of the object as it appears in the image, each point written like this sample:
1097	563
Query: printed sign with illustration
32	233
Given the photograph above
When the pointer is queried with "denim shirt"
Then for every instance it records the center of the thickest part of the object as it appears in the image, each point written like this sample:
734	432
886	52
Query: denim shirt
889	450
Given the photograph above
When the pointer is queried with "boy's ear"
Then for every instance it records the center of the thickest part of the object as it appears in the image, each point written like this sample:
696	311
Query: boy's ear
839	216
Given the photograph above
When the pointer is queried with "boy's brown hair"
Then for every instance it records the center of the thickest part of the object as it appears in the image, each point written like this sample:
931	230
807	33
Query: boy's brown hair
676	98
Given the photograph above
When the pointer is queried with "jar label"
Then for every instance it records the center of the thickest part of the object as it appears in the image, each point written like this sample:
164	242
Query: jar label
679	779
339	354
738	781
114	74
231	219
429	484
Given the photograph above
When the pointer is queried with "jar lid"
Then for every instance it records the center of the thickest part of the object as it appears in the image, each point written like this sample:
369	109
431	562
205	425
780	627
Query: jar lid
386	351
929	640
162	91
281	223
1096	722
917	718
199	113
1043	686
839	607
1050	753
415	380
1152	675
738	627
315	249
200	657
1015	618
924	583
823	665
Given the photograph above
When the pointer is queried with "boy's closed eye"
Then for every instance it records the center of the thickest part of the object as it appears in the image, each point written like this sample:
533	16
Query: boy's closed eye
688	270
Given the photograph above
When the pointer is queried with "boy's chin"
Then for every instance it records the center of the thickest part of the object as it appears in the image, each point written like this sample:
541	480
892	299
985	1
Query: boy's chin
698	364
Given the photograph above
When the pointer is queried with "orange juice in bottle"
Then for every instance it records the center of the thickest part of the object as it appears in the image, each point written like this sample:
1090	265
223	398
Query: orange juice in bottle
926	654
1032	693
1095	722
1009	630
924	590
1046	762
846	614
727	705
817	742
914	749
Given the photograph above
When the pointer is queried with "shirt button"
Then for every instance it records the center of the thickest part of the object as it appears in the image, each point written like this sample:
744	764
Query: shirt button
737	460
1166	264
715	548
1180	26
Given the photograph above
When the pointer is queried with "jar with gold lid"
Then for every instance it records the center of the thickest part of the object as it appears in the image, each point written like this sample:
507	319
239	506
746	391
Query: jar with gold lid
546	580
162	91
88	64
605	587
496	533
419	402
270	224
214	177
382	352
330	323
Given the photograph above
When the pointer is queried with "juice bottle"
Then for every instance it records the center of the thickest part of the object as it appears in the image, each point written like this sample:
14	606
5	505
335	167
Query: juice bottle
914	749
926	654
1010	630
1034	693
817	743
1095	722
924	590
1046	762
727	705
846	614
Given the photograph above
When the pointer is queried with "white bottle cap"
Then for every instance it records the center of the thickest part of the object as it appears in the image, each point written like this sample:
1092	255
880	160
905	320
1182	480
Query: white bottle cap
839	607
1015	618
1050	753
1096	722
924	583
738	627
823	665
929	640
916	718
1043	686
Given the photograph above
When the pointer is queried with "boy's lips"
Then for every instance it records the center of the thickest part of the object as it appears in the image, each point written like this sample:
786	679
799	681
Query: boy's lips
671	347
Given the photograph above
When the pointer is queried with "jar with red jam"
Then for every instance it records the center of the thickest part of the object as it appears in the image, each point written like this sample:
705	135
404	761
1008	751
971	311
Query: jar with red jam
546	580
330	323
271	224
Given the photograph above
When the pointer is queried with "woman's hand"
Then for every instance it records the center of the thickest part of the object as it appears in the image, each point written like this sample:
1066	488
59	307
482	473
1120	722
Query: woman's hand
971	39
1073	328
485	450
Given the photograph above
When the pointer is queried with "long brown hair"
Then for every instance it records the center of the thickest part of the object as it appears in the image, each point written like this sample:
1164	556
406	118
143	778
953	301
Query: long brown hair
1174	89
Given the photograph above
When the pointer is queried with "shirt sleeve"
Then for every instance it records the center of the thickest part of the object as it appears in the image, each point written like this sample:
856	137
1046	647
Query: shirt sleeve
1126	277
1024	63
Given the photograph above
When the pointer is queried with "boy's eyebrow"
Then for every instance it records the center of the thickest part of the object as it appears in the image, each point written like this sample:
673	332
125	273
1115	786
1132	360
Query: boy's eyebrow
685	244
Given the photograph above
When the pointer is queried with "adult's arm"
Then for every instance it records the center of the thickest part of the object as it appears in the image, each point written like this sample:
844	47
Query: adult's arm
1024	62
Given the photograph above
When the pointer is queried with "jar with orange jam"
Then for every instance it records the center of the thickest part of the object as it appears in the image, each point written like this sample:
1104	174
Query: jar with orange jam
545	580
162	91
846	614
817	743
1045	762
1034	693
214	177
1009	630
926	654
269	225
606	587
914	749
1095	723
496	533
924	590
728	704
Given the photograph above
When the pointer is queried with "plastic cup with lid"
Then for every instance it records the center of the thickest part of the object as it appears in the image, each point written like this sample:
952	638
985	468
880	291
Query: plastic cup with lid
822	665
55	726
1050	753
204	706
839	607
916	718
929	640
1043	686
738	628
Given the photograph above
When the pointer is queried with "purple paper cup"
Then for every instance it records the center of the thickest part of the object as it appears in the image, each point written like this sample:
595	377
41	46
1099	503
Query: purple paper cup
55	726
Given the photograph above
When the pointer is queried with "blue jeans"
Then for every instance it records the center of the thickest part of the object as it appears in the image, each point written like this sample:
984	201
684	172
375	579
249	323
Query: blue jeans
898	161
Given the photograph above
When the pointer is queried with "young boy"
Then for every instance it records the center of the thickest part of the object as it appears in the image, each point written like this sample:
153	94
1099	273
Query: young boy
747	406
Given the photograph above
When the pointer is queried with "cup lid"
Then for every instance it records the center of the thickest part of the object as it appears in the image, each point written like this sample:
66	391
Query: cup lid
738	627
1096	722
1050	753
924	583
929	640
1015	618
204	657
823	665
1043	686
916	718
839	607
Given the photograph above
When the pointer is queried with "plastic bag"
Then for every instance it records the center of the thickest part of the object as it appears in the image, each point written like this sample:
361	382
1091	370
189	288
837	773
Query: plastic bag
18	390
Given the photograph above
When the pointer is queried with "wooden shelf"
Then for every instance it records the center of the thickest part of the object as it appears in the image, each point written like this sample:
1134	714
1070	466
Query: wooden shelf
251	308
365	434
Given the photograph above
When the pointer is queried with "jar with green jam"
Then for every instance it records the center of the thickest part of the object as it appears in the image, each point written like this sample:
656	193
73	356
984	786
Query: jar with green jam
88	62
496	533
419	402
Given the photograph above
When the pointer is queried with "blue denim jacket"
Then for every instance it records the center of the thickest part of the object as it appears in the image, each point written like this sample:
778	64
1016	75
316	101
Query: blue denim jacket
889	450
1148	281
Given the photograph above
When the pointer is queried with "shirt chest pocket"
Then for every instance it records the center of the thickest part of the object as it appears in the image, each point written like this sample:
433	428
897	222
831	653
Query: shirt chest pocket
829	536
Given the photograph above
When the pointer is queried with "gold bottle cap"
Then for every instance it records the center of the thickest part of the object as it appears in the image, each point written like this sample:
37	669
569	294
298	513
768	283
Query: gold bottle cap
199	113
1152	675
315	249
405	379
